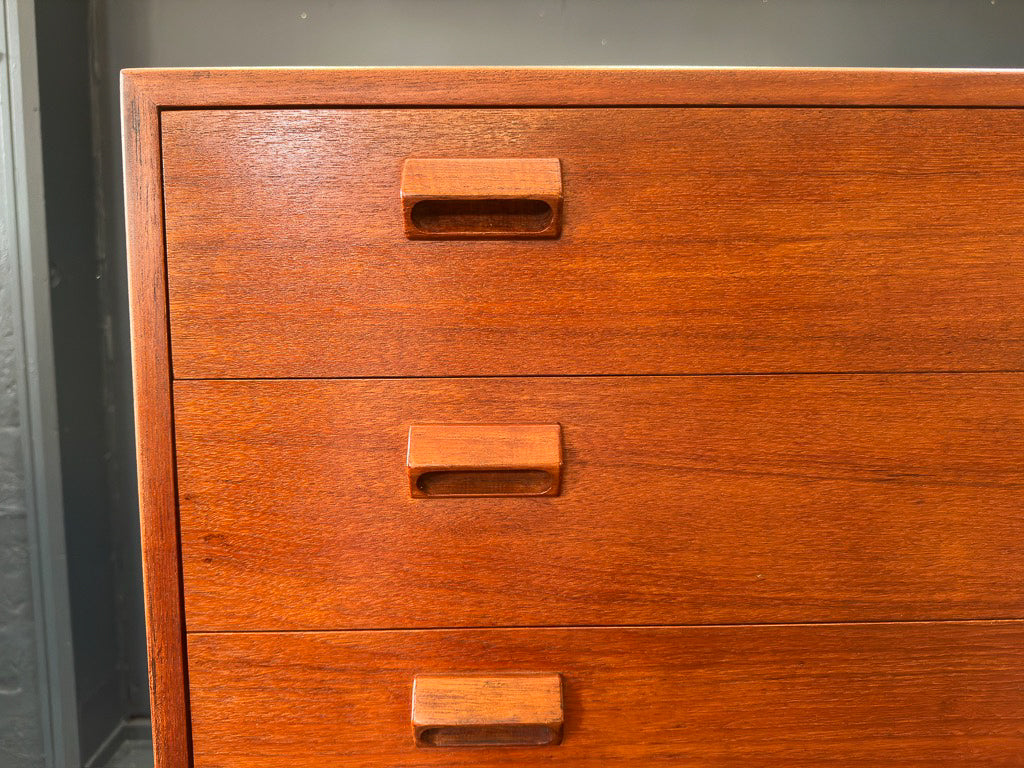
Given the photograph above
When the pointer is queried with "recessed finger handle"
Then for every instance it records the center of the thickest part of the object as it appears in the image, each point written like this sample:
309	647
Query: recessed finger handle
468	198
487	710
447	460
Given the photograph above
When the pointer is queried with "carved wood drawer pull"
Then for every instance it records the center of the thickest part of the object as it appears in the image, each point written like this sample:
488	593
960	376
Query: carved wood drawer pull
484	460
446	199
487	710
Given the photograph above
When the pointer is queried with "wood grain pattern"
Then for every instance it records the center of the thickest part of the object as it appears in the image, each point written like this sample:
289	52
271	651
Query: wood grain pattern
479	710
580	86
503	198
684	500
486	460
154	434
700	240
920	695
725	238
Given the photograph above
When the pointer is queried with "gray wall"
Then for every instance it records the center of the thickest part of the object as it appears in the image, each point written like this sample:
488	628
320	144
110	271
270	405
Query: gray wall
21	736
193	33
37	722
80	312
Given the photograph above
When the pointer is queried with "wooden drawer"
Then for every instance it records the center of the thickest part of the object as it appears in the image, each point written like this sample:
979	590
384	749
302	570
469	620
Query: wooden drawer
845	695
718	499
694	240
760	333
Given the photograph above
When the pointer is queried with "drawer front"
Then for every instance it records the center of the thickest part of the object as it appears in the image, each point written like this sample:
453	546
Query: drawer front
693	240
855	695
718	499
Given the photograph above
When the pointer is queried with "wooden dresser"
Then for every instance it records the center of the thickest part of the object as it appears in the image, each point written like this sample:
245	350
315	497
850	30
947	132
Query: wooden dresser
554	417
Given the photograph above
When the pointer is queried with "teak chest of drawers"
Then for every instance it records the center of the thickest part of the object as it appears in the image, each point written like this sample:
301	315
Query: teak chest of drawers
580	417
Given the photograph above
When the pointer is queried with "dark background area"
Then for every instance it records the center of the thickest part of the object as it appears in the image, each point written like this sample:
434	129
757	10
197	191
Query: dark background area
82	45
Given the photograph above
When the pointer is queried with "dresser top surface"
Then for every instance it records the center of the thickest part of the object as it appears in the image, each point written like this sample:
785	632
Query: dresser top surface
574	86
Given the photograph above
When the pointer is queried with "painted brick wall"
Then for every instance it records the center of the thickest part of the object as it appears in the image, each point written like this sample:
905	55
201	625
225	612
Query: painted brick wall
21	741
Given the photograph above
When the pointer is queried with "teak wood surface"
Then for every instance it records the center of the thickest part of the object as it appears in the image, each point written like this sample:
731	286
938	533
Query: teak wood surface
574	86
154	428
469	198
922	695
484	460
693	241
964	273
465	710
719	499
